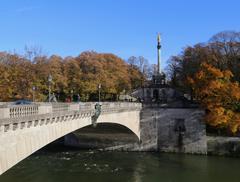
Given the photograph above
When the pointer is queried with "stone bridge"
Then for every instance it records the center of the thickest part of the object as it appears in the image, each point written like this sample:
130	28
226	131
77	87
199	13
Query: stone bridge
25	129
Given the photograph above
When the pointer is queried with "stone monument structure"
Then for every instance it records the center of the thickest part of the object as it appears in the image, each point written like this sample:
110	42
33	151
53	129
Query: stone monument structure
170	122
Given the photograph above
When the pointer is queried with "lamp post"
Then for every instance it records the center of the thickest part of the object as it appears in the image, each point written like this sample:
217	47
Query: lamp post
49	86
58	95
99	92
71	95
33	89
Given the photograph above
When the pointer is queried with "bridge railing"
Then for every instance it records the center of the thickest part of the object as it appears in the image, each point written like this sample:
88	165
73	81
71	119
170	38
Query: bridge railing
13	117
17	111
119	106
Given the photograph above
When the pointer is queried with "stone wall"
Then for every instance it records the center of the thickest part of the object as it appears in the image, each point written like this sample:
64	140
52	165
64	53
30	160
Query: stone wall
148	134
225	146
181	130
148	131
159	131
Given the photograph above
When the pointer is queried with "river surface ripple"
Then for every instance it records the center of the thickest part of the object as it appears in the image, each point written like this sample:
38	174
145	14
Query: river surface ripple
97	166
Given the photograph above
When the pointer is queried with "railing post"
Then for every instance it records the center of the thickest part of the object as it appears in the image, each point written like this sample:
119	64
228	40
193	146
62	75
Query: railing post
4	112
45	108
1	129
74	107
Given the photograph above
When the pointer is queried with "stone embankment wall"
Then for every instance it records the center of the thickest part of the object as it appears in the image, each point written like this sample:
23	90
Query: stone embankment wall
173	130
181	130
224	146
159	131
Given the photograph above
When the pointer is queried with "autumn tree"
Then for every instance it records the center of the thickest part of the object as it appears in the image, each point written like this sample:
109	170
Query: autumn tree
142	65
106	69
225	50
56	69
16	77
70	76
210	72
222	51
73	76
42	71
219	95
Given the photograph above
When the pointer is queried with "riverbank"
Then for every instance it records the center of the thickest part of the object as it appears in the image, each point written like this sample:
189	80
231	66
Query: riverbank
117	138
223	146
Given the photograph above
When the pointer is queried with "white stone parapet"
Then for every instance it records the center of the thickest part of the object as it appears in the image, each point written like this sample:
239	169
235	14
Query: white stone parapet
15	111
12	115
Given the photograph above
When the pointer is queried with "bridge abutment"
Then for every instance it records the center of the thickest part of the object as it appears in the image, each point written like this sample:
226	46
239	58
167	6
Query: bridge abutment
180	130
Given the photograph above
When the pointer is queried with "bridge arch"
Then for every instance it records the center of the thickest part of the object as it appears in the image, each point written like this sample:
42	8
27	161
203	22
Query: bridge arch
127	119
21	140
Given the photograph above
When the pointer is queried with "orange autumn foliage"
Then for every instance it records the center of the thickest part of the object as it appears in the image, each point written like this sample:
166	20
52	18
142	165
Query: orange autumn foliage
216	92
70	76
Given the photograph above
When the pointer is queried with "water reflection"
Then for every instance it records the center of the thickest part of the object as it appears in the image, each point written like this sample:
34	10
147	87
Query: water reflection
90	166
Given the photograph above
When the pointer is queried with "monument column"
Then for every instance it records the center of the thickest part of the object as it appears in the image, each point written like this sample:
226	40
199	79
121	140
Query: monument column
159	54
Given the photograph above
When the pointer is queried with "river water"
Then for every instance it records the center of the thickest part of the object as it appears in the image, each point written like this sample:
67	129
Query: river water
97	166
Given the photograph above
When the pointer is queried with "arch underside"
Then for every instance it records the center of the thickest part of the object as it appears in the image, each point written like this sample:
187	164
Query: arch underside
106	128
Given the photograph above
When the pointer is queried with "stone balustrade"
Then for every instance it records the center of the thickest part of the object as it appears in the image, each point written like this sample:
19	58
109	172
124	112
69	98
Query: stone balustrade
119	106
12	124
13	117
19	111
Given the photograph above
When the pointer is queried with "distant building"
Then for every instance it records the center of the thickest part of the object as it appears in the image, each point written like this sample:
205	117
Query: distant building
157	91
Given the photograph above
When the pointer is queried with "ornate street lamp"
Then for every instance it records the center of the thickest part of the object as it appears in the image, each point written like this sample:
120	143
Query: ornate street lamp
49	86
71	95
33	89
99	92
58	95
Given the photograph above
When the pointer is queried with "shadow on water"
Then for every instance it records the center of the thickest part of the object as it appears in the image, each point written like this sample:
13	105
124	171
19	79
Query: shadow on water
67	165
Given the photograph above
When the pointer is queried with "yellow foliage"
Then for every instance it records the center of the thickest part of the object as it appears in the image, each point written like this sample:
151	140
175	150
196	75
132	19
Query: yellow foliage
219	111
219	95
71	75
228	74
190	80
200	75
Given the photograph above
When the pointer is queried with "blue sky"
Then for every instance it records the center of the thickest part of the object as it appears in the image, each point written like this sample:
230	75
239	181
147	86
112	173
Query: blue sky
123	27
